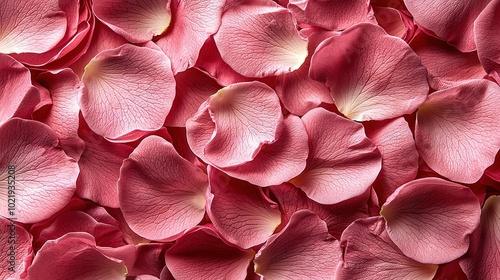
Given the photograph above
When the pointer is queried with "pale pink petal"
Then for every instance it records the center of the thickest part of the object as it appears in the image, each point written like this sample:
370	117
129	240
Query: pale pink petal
100	165
201	254
63	116
243	117
447	66
372	75
260	39
173	188
18	97
240	211
42	175
334	14
299	251
486	31
130	87
342	162
395	22
394	140
457	130
277	162
369	253
75	256
137	21
15	250
430	219
452	21
193	87
194	22
35	26
481	262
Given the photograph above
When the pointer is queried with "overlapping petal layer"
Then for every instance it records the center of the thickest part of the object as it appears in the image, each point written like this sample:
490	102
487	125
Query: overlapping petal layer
15	250
486	32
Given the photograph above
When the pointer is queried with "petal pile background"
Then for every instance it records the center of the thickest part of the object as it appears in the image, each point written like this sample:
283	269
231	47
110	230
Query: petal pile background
249	139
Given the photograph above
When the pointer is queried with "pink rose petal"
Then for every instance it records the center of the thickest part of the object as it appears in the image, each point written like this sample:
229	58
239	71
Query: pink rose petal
486	31
457	130
430	219
299	251
260	39
372	75
173	188
395	22
342	163
150	259
15	250
138	86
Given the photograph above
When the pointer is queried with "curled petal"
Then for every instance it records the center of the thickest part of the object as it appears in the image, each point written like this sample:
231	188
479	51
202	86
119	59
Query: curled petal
486	31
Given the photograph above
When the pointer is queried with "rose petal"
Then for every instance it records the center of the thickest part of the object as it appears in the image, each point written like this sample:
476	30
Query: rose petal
372	75
457	130
486	35
15	250
173	188
342	162
430	219
119	76
395	22
150	259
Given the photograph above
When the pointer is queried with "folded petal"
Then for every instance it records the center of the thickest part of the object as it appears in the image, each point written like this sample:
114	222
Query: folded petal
241	212
342	162
242	118
451	21
486	34
457	130
137	21
303	249
194	21
15	250
34	166
395	22
35	26
372	75
173	188
201	254
260	39
137	85
369	253
430	219
481	261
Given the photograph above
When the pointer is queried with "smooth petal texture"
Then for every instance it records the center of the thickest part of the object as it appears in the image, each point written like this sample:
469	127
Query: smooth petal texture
369	253
36	26
240	211
150	259
233	124
75	256
395	22
298	251
395	142
447	66
486	31
193	23
137	21
15	250
260	39
342	162
481	262
138	86
451	21
200	254
18	97
277	162
44	176
430	219
372	75
457	130
173	188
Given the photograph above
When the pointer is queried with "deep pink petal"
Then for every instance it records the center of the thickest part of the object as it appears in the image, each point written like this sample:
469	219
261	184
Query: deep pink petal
138	86
299	251
15	250
240	211
150	259
395	22
260	39
342	162
486	31
173	188
372	75
200	254
457	130
193	22
430	219
369	253
43	176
